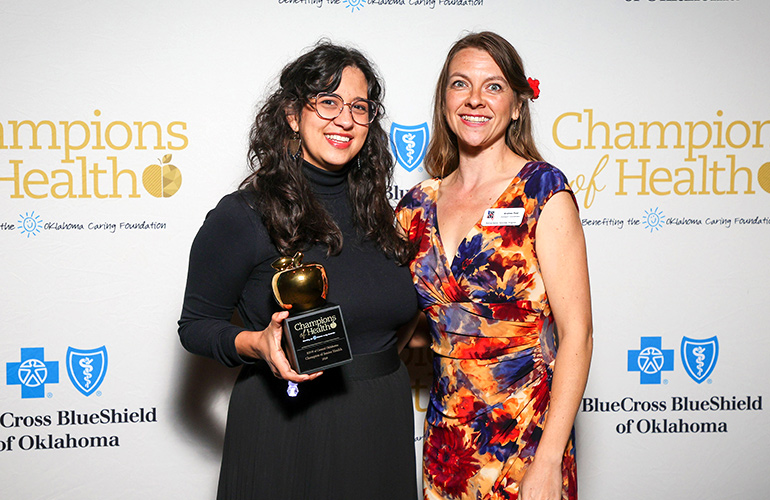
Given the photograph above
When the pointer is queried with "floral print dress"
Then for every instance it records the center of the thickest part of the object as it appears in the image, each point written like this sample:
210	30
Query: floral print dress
493	341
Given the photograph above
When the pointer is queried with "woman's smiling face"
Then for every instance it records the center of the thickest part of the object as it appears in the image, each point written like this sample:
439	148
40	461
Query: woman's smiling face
480	103
331	144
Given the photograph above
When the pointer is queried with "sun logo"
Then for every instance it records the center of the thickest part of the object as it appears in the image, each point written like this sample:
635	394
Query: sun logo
162	181
30	224
355	5
653	220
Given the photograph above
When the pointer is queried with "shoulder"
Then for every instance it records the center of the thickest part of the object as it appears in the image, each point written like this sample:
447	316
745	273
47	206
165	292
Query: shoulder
234	206
235	216
413	208
420	196
542	180
544	173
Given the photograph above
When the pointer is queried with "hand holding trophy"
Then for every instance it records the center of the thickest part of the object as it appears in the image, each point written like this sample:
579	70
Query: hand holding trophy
314	336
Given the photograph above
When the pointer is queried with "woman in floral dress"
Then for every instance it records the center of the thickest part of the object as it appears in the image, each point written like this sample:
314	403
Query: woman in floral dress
502	277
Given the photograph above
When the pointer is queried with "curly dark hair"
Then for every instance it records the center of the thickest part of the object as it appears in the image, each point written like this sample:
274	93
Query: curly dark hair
293	216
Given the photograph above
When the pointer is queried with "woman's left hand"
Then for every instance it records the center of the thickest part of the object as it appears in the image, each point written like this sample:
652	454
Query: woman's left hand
542	481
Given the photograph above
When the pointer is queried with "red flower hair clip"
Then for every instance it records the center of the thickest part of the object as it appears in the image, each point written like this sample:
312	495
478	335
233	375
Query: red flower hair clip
535	86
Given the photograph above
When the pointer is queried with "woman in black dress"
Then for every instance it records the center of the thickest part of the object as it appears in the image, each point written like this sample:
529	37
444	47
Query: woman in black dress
321	169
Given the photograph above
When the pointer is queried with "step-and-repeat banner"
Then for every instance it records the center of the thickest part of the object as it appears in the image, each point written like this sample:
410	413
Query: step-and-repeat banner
123	123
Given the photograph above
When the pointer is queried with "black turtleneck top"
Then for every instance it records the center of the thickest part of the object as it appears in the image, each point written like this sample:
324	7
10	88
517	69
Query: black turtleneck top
230	267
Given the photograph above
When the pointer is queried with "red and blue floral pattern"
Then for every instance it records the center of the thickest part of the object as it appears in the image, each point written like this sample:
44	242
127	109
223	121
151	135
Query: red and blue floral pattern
493	341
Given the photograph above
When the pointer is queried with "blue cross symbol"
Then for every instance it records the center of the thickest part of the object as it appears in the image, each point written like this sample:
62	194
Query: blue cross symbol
32	373
650	360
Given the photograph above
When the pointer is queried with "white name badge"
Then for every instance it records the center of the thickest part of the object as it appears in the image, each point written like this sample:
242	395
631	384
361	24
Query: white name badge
502	217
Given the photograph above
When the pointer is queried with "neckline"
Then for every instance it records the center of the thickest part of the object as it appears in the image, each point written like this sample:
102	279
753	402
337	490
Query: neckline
434	208
326	182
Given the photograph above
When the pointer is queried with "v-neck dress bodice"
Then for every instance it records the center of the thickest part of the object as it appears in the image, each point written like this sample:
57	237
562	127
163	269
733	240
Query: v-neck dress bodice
476	226
493	338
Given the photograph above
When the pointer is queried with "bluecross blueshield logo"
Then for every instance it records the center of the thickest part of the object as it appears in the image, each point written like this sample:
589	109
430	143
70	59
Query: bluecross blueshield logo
86	368
699	357
651	360
409	144
32	373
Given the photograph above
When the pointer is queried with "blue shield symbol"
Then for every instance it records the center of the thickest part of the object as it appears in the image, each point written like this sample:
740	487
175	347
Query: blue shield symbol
699	357
86	368
409	144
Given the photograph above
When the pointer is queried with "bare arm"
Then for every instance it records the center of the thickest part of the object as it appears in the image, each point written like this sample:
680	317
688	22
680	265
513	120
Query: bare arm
415	333
562	255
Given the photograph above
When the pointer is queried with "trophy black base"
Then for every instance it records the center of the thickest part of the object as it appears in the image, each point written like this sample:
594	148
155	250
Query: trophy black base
316	340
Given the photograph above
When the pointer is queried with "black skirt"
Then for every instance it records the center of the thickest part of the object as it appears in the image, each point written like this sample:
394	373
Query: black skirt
349	434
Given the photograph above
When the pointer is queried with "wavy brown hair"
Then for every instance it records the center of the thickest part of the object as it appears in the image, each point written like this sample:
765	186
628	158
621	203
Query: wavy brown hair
443	155
290	211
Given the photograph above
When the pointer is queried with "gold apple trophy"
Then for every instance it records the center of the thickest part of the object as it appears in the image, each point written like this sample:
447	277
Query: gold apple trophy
314	336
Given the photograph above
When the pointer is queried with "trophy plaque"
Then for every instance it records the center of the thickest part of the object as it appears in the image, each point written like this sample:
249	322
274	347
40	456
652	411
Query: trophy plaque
314	336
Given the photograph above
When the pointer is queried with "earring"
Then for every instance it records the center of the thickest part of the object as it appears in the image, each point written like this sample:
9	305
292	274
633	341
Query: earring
295	147
358	162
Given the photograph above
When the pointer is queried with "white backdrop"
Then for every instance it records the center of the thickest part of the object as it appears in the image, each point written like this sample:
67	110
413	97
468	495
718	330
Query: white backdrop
94	248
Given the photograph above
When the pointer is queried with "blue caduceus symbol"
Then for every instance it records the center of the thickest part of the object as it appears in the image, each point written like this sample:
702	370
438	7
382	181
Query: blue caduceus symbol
87	365
409	144
86	368
699	357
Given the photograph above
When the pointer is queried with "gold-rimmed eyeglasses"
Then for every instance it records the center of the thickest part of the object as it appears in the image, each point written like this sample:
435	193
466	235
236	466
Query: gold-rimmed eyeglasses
329	106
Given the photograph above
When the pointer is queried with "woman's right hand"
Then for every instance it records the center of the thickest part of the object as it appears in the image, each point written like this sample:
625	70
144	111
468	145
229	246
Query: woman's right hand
266	344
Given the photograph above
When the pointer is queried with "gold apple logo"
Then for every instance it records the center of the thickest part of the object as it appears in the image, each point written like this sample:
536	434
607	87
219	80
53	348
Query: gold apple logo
162	181
763	177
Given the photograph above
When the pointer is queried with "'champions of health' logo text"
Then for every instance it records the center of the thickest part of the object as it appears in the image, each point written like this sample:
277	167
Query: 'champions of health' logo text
695	156
90	167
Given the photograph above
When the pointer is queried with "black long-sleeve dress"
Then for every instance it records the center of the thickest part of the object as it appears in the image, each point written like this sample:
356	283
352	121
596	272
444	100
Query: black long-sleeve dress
349	433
